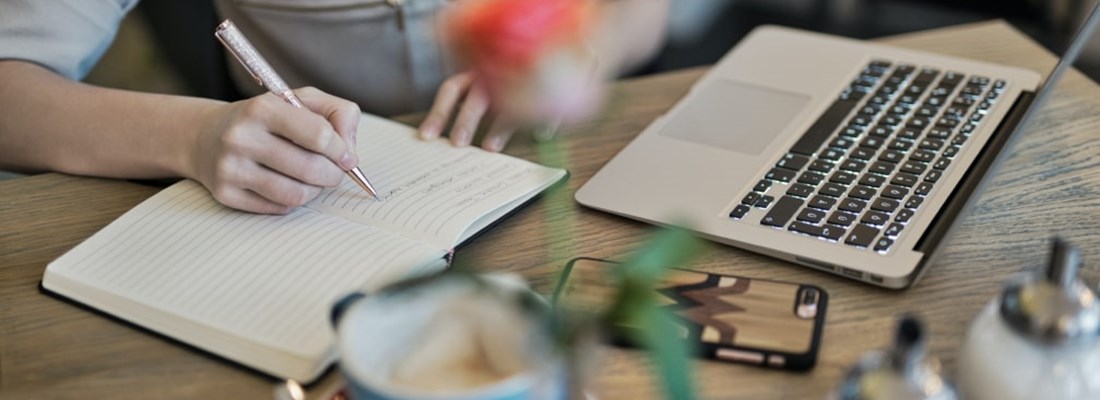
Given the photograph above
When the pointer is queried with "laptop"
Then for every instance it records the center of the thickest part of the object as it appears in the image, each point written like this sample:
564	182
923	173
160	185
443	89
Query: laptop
844	156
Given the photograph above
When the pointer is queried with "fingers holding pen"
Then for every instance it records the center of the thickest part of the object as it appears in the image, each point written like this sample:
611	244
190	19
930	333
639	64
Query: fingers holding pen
342	114
263	155
304	128
241	183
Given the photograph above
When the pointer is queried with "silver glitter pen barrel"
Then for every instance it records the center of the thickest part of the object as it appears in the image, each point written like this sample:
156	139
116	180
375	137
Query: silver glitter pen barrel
255	64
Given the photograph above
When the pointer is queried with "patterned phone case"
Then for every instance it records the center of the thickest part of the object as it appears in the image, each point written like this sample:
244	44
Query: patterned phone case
754	321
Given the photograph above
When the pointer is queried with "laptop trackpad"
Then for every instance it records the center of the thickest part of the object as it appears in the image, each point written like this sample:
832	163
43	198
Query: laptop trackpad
735	116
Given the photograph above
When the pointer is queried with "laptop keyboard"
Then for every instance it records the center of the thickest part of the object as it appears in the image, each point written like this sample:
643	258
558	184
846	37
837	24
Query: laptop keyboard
863	169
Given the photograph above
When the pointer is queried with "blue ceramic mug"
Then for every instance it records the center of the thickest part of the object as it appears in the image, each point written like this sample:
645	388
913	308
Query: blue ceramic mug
453	336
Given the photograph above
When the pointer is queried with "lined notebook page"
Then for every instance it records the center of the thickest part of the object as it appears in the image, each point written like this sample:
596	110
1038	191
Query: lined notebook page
267	279
433	191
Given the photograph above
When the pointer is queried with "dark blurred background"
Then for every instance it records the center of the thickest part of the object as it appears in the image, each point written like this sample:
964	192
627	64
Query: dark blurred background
161	48
710	27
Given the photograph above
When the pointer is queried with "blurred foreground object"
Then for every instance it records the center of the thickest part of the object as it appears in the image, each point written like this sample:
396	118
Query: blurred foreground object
450	336
899	373
535	58
1039	340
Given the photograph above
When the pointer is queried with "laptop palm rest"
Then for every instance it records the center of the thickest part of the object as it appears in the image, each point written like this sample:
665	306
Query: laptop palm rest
735	116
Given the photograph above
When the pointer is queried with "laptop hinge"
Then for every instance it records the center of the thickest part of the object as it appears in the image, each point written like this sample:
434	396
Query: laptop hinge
973	181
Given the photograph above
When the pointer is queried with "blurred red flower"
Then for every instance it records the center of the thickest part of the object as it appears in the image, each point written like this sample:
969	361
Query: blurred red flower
532	56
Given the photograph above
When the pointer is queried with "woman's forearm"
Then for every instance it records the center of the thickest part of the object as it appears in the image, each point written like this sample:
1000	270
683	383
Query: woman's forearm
52	123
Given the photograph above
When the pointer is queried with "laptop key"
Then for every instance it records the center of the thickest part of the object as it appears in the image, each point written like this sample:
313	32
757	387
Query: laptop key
919	123
900	145
893	156
871	142
862	154
842	218
933	176
927	111
885	205
862	192
909	133
793	162
762	186
852	205
872	180
913	167
952	152
959	140
952	78
764	201
833	189
909	99
853	165
780	175
931	144
782	212
893	230
875	218
926	76
862	235
811	178
914	202
821	166
882	167
891	121
750	198
883	244
843	178
923	189
822	202
851	131
899	109
841	143
800	190
939	133
739	211
904	179
904	215
823	128
942	163
895	192
810	215
923	156
824	231
882	131
831	154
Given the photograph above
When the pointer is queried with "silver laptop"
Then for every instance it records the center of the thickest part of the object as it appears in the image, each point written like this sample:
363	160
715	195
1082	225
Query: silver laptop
841	155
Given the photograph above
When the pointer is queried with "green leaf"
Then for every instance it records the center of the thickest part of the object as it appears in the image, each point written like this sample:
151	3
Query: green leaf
648	325
660	334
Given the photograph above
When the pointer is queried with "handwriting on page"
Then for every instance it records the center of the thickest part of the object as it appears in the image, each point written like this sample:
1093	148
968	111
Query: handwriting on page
433	190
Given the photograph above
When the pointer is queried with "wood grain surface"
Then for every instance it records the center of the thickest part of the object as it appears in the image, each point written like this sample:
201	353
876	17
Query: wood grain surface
1049	185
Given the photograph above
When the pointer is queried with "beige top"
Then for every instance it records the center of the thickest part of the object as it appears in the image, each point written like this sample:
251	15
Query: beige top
361	50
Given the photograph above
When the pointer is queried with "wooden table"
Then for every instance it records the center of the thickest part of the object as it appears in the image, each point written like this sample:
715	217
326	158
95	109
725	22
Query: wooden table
1050	185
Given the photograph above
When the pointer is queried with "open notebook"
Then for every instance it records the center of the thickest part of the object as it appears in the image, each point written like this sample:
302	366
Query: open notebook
257	289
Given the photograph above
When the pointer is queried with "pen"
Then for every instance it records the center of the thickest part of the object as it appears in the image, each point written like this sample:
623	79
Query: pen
242	49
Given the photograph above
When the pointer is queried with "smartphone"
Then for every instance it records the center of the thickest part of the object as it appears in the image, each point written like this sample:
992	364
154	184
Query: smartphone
753	321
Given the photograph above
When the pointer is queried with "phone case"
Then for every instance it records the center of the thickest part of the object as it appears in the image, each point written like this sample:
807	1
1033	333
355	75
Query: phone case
754	321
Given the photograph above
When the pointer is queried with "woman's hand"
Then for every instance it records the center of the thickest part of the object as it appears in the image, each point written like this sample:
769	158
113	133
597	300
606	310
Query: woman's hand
465	88
266	156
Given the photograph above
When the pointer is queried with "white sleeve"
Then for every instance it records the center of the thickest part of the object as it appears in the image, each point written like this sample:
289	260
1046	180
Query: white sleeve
66	36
